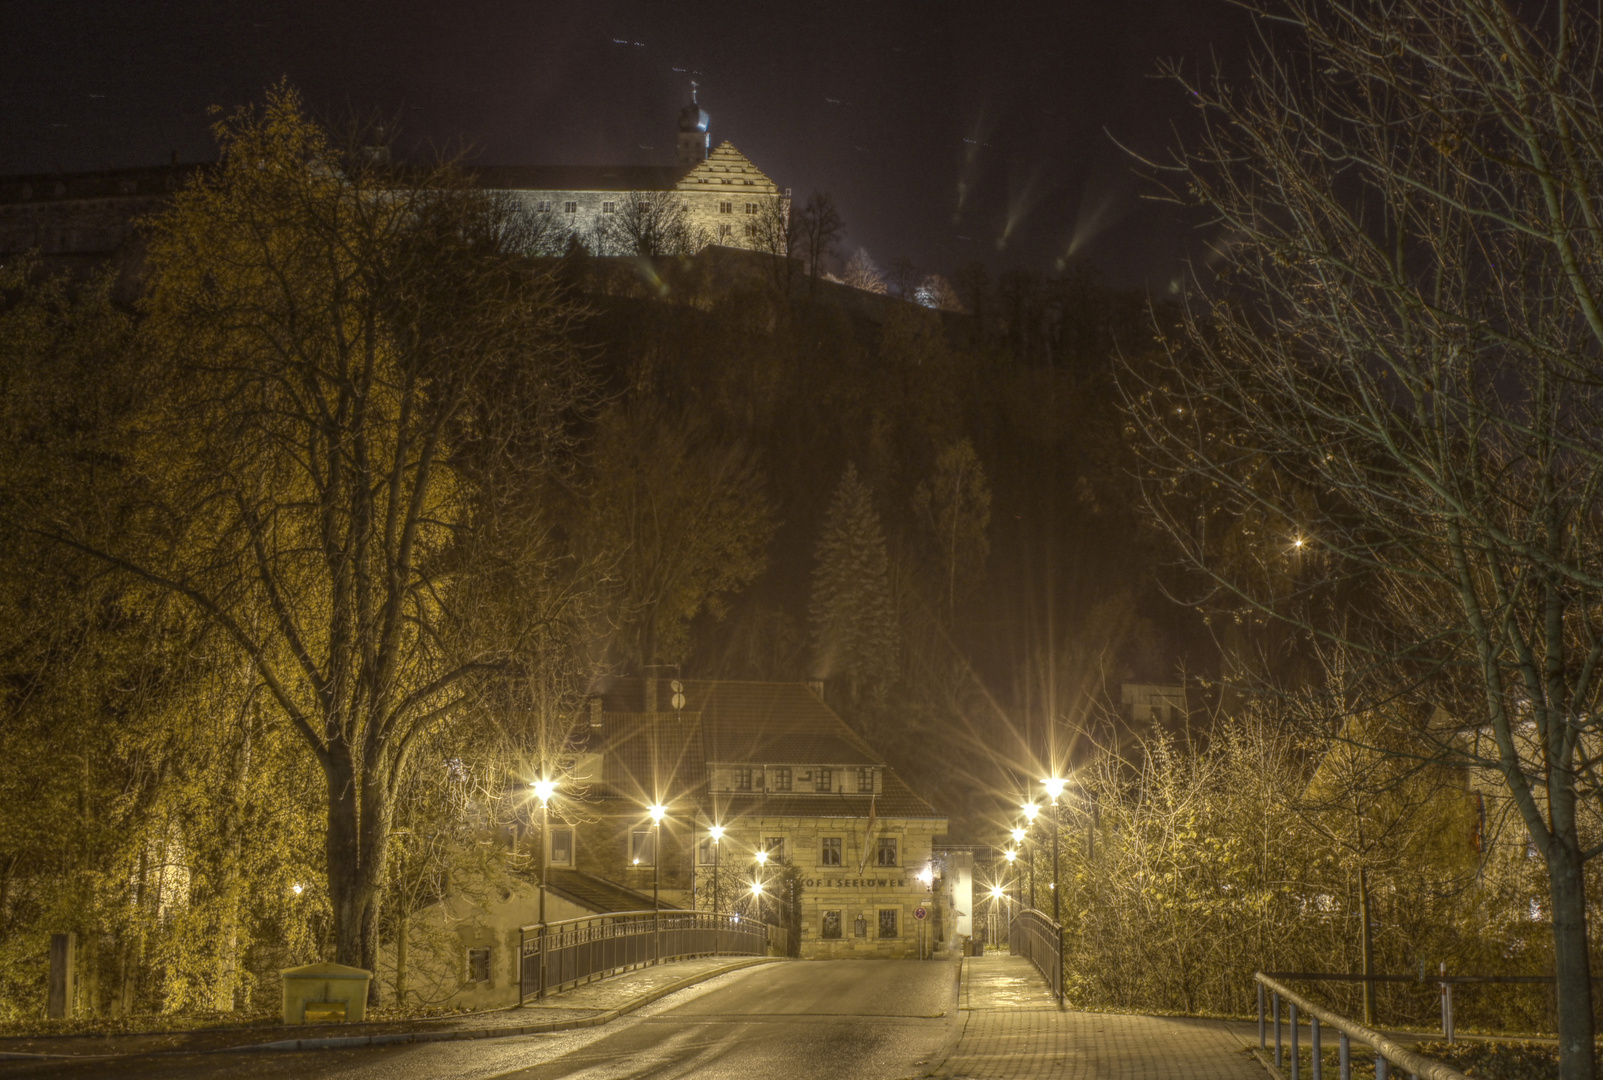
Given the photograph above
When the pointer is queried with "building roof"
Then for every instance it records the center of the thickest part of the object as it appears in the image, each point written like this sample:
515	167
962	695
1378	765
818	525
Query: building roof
737	722
728	170
577	177
597	894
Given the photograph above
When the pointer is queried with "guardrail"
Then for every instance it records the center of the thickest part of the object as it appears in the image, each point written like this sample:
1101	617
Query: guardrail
1387	1052
553	956
1031	934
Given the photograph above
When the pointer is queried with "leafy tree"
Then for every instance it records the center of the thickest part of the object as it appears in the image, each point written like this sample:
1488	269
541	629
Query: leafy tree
853	617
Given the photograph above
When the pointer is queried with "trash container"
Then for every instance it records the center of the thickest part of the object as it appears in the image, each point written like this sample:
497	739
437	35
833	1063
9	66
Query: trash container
325	994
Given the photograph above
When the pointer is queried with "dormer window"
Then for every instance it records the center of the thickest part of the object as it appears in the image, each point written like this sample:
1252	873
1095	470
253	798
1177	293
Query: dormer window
865	779
742	778
779	778
823	779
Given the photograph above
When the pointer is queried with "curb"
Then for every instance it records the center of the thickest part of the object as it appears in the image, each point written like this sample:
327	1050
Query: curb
341	1042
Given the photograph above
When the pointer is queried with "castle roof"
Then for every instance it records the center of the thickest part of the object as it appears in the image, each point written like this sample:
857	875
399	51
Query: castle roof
727	168
577	177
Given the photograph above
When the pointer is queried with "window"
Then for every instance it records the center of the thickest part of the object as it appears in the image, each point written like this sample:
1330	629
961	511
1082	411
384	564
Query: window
829	854
644	208
561	847
885	855
542	208
725	229
865	779
570	208
830	928
751	208
642	848
742	781
726	208
824	780
779	778
860	927
478	965
609	208
706	851
887	922
751	229
775	846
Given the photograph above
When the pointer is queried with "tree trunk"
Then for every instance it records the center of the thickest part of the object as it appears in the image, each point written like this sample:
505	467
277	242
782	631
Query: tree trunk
403	928
1368	947
1571	964
347	896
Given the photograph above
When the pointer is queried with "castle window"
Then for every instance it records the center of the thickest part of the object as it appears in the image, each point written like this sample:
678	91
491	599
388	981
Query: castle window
829	851
609	208
887	922
775	846
570	208
865	779
779	778
725	229
726	208
751	229
542	208
742	781
831	925
751	208
886	853
824	780
644	208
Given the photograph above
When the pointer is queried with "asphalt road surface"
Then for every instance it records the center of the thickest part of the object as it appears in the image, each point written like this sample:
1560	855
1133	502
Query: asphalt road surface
852	1019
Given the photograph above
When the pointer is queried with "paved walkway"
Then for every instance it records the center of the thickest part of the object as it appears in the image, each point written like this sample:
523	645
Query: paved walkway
1013	1030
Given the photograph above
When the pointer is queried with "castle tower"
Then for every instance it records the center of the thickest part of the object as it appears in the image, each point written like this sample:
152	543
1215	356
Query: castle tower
694	142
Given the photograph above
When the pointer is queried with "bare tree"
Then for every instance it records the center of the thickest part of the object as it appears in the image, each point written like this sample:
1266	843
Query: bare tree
779	233
357	387
862	273
650	224
1380	426
821	228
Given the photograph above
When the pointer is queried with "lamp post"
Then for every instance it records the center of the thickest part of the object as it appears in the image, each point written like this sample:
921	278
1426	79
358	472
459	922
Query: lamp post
1054	788
543	790
657	811
1011	855
1018	846
1030	810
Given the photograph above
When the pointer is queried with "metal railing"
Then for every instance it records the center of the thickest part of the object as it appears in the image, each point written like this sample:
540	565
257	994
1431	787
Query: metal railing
1031	934
554	956
1387	1052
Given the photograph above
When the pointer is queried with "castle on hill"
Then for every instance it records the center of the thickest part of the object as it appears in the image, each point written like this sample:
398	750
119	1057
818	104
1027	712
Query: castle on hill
710	197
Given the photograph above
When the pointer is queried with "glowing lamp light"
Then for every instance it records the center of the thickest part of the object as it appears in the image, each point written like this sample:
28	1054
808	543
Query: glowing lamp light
636	860
756	888
926	875
1018	836
762	858
1010	854
544	789
716	832
296	889
1030	810
996	892
657	812
1297	543
1054	786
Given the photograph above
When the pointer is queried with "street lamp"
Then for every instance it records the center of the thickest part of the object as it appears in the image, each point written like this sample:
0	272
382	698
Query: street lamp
1054	788
543	790
657	812
717	834
1030	810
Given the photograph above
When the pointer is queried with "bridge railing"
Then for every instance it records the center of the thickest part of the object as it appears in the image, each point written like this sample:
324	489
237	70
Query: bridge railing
1387	1052
1033	935
554	956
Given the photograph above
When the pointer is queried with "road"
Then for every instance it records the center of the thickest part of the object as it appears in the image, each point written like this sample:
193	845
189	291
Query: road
852	1019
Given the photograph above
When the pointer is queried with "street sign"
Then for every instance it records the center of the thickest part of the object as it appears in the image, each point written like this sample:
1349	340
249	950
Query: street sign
919	913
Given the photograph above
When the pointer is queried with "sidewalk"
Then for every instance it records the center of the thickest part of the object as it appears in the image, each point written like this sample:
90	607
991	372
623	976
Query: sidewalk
1013	1030
584	1006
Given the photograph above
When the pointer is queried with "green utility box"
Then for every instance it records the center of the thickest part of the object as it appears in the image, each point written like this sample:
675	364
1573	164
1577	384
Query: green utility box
325	994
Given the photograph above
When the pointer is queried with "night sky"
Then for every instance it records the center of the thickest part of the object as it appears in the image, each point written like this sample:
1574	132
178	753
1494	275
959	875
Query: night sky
899	109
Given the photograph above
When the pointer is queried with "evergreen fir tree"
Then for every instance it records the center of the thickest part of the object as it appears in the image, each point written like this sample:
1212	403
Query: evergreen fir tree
855	633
